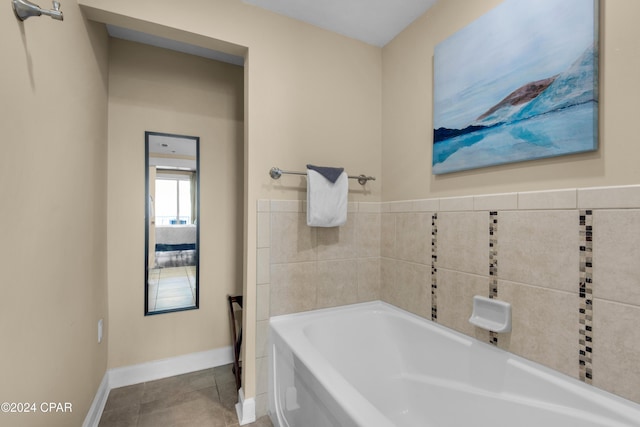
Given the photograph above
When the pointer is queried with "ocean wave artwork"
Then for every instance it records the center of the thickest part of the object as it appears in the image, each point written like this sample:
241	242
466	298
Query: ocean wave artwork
520	83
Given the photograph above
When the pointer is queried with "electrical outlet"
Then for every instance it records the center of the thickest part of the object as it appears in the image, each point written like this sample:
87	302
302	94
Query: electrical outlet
99	331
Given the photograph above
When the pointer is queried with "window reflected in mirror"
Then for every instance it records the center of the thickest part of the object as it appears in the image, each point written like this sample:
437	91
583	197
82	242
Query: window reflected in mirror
172	226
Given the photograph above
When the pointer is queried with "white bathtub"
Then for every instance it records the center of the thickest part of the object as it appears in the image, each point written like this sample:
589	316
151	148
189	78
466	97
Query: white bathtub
374	365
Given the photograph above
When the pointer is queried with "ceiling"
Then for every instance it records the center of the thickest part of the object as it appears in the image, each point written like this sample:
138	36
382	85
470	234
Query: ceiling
172	151
375	22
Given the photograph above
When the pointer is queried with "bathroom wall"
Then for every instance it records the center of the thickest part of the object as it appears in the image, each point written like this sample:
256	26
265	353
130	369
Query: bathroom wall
407	127
564	259
53	183
153	89
311	96
537	258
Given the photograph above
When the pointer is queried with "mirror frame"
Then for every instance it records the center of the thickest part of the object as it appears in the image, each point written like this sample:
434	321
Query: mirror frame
196	139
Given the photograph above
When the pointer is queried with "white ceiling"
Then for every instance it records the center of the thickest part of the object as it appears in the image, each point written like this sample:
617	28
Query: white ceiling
172	151
375	22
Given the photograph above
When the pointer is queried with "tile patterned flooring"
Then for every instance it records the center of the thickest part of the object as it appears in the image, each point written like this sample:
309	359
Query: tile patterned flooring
172	287
202	398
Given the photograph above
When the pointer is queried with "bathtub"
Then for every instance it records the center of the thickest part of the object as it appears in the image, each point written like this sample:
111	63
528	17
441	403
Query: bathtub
374	365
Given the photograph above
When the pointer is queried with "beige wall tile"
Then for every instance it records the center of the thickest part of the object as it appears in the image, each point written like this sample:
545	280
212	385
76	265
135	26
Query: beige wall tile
553	199
450	204
262	375
368	231
421	205
263	266
369	207
263	302
388	235
262	338
337	283
539	248
538	267
264	230
337	242
455	299
288	206
463	241
545	325
413	237
616	344
412	289
291	239
264	205
401	206
262	404
388	275
426	205
293	287
369	279
627	196
616	255
494	202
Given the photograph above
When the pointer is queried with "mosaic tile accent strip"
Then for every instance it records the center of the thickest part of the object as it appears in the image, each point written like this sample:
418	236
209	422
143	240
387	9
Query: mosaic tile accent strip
493	264
586	296
434	269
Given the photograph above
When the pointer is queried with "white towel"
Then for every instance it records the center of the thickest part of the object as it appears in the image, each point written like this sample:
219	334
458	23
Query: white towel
326	201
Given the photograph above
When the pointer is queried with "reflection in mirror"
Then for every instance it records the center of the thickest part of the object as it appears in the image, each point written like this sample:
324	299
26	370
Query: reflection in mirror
172	223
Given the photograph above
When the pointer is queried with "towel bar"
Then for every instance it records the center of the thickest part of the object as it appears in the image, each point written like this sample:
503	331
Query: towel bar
276	173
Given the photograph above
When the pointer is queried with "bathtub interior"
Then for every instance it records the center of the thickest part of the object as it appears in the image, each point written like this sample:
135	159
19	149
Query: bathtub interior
413	372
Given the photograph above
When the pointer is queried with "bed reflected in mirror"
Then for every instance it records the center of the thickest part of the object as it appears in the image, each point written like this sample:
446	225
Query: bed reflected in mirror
172	223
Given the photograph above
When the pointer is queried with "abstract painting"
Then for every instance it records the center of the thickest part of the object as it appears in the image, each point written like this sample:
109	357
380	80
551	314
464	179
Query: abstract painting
520	83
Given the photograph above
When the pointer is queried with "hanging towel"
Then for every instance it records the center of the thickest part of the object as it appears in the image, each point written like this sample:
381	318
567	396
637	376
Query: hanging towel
332	174
326	197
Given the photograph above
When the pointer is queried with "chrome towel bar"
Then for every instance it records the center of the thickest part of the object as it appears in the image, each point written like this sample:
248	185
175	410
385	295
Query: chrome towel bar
276	173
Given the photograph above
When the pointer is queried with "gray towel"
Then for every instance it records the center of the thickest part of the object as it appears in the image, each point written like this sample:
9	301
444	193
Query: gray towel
332	174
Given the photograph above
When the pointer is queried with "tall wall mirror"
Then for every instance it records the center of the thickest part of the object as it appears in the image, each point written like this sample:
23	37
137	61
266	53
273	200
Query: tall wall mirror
172	231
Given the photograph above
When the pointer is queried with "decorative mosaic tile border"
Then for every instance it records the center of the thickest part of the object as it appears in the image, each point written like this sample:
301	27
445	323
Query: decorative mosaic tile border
434	269
493	264
586	295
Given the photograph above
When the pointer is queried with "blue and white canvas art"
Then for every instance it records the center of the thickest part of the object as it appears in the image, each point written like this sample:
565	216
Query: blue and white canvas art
519	83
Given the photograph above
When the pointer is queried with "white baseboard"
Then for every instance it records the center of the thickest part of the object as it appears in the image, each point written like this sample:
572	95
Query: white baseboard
245	409
95	411
157	369
154	370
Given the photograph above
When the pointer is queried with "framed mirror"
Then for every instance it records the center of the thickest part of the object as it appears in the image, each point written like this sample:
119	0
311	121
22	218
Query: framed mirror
172	226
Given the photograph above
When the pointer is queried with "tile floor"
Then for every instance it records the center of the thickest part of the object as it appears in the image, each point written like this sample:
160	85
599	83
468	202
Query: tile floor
172	287
203	398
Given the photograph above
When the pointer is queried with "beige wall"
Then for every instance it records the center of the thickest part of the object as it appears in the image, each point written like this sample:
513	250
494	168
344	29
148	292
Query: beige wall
311	96
53	182
407	112
153	89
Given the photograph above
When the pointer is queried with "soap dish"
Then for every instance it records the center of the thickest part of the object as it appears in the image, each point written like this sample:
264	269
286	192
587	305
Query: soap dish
491	314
